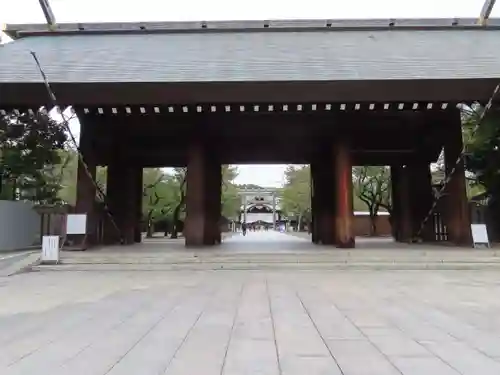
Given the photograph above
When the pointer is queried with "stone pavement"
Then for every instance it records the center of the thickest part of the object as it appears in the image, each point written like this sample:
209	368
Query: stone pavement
251	322
17	261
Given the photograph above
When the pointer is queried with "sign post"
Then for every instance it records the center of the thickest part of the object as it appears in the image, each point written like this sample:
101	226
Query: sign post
479	235
50	249
76	229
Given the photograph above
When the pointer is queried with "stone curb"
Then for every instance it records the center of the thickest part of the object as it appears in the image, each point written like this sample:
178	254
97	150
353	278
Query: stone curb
267	266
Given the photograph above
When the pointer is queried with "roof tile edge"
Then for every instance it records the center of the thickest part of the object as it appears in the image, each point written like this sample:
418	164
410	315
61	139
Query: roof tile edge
22	30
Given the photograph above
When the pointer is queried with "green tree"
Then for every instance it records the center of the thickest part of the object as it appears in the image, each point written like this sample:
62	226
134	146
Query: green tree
482	146
30	145
164	193
230	199
158	200
372	185
296	193
482	158
67	175
179	177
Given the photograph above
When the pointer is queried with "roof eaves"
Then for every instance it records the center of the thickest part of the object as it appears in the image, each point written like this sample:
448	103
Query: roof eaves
16	31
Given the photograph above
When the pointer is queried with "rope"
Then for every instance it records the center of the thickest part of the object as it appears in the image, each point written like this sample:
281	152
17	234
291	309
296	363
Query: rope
459	161
100	194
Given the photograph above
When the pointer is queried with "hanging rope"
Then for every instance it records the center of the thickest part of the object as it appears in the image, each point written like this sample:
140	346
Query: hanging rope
458	162
100	194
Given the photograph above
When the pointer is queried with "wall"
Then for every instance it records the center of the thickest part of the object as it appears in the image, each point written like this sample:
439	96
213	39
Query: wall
362	224
19	225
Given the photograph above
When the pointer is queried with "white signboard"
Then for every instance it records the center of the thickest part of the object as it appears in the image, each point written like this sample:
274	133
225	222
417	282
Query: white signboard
50	249
479	235
76	224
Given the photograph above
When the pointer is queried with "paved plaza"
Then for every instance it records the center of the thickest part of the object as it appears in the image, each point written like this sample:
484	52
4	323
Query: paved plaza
251	322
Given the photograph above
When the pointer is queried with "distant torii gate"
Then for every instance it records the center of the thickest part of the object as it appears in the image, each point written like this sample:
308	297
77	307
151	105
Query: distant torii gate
245	193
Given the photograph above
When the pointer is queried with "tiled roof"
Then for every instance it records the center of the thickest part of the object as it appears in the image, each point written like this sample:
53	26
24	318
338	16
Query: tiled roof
290	54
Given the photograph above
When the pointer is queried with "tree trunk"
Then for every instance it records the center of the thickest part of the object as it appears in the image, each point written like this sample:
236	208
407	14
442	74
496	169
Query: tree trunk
373	210
177	212
175	223
373	225
14	190
149	232
167	227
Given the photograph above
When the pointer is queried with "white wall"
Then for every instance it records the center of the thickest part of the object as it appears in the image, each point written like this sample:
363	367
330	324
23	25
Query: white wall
19	225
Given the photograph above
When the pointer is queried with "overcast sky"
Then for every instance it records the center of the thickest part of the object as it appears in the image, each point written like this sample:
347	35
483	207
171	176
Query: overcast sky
28	11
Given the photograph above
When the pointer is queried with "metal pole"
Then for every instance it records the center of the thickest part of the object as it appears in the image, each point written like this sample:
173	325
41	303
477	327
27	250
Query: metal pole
274	211
81	159
47	12
486	11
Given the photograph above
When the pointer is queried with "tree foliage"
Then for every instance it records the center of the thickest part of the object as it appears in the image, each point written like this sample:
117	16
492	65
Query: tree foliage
30	152
482	160
164	192
67	175
483	153
296	193
158	197
372	185
230	199
174	197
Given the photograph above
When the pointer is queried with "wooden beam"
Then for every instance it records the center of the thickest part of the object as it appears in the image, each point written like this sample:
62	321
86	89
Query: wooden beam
246	26
142	93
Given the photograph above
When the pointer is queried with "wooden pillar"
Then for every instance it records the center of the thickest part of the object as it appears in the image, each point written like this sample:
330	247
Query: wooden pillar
213	182
396	202
218	202
138	193
326	202
421	198
457	213
115	183
315	215
122	191
405	219
203	191
194	226
85	187
344	234
130	192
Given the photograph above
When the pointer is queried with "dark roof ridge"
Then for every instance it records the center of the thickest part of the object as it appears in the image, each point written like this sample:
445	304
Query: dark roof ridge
22	30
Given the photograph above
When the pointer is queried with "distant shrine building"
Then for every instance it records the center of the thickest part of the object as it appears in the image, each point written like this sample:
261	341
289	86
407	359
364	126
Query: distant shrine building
330	93
260	207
